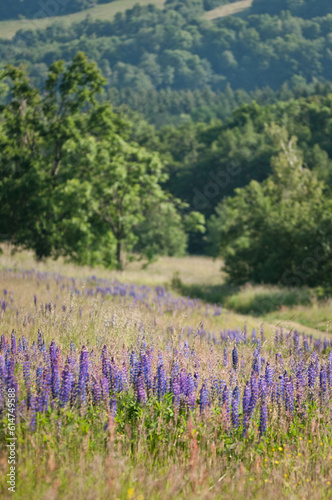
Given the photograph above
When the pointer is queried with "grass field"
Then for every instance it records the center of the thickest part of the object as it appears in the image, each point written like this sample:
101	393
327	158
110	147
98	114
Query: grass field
102	11
229	9
202	277
113	389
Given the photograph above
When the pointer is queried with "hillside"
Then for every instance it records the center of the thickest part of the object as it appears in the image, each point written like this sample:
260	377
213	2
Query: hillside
148	48
105	11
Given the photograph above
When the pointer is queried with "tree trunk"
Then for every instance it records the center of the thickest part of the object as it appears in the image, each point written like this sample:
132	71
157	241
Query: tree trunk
119	254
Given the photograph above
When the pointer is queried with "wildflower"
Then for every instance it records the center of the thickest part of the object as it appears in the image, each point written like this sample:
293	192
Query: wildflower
235	407
203	400
246	407
235	358
13	343
263	417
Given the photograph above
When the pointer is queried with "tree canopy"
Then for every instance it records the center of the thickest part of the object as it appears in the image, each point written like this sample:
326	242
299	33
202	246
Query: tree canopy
71	181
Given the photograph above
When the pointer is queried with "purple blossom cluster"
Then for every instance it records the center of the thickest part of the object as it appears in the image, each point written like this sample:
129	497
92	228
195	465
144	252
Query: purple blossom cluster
247	384
153	298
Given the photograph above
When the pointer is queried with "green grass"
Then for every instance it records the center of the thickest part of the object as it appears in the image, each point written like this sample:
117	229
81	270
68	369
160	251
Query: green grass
106	12
202	277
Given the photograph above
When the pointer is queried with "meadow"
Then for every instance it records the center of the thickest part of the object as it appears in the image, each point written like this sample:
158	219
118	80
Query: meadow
124	389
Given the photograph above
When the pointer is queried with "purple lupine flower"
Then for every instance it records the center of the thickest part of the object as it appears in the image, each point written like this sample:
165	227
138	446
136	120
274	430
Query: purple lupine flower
323	383
246	407
10	369
55	376
39	374
325	344
104	361
183	382
13	343
162	383
66	386
105	391
268	374
190	384
203	398
299	385
235	407
257	362
263	417
33	413
254	393
262	387
146	361
311	375
46	387
289	395
225	399
39	403
329	369
140	392
124	377
280	389
35	300
225	357
246	398
25	346
112	375
4	305
113	407
134	368
40	342
196	379
26	373
191	401
176	391
235	358
96	391
306	345
2	381
3	345
83	373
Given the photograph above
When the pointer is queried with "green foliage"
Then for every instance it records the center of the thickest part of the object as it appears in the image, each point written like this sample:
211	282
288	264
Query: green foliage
175	48
70	182
278	231
34	9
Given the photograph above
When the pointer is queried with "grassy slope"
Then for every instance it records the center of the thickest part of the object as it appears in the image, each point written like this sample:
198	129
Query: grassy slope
103	11
152	451
229	9
200	277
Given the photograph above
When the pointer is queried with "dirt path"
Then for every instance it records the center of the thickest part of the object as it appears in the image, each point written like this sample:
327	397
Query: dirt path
229	9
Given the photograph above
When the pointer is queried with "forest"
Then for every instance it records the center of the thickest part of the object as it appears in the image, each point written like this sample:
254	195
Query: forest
208	112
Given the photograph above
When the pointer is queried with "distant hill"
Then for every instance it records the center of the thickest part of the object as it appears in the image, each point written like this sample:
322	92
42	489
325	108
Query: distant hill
41	19
168	60
301	8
